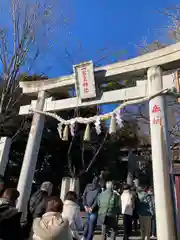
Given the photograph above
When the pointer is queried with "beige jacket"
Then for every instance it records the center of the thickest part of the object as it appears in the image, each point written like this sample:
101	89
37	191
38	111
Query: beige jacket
71	212
51	227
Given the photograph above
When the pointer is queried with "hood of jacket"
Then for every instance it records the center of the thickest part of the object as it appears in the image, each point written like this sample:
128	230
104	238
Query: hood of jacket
142	195
51	226
70	210
70	203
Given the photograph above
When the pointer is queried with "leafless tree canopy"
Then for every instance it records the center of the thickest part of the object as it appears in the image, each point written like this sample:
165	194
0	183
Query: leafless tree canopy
173	26
25	38
171	34
171	31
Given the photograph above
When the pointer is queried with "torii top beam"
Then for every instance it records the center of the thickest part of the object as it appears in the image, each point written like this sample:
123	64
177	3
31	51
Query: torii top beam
168	58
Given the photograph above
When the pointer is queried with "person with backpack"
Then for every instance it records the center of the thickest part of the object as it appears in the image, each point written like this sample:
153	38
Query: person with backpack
90	202
10	227
145	210
37	205
109	209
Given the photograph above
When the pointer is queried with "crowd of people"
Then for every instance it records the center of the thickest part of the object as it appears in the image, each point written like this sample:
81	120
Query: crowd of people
48	218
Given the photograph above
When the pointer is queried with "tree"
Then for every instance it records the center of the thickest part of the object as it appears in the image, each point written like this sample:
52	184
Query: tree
146	47
21	47
171	33
173	27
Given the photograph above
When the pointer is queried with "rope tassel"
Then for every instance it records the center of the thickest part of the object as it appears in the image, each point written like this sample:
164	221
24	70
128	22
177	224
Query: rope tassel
87	133
112	128
59	128
65	133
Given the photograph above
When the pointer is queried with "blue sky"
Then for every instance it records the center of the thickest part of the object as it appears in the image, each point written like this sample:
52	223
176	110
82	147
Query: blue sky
97	28
114	25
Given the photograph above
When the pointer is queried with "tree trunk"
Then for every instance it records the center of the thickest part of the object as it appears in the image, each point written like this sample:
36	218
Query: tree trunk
69	184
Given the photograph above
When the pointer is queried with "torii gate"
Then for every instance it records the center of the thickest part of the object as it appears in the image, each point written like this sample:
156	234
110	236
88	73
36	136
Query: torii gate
85	78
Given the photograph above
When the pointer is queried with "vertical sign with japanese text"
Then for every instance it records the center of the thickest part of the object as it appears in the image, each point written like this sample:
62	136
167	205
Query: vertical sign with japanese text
156	112
85	83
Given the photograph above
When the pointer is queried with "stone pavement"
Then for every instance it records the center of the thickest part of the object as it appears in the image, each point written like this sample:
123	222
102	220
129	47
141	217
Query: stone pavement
120	235
97	237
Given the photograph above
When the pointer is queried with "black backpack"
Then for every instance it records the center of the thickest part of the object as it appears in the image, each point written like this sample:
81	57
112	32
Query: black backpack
35	200
6	212
10	227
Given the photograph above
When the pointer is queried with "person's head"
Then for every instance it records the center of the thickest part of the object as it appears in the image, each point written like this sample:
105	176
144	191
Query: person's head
150	190
71	196
54	204
11	195
109	185
126	187
47	187
95	181
142	189
133	189
145	188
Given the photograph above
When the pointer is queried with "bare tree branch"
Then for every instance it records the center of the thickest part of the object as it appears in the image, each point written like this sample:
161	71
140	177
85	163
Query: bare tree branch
21	44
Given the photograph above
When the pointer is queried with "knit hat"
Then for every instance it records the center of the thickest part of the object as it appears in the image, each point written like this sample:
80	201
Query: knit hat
47	187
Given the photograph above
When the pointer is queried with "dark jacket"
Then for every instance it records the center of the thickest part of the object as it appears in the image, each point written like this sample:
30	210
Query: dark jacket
151	195
90	195
36	208
136	200
37	203
145	204
10	227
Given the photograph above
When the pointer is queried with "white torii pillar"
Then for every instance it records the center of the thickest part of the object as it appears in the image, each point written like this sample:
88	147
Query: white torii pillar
5	145
163	201
30	156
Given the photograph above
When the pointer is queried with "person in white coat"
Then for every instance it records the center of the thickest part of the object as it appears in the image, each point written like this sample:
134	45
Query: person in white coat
127	207
71	212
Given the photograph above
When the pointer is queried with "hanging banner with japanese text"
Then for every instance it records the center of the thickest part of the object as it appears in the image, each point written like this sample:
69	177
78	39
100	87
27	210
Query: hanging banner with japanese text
85	83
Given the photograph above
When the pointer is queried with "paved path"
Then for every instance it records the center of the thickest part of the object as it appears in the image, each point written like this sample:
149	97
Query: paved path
118	238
